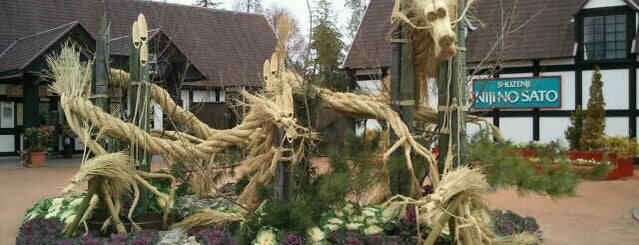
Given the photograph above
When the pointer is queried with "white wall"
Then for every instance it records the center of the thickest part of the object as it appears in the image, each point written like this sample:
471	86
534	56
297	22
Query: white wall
203	96
186	100
158	122
617	126
515	75
517	129
552	129
7	143
222	94
603	3
78	144
567	89
615	88
372	87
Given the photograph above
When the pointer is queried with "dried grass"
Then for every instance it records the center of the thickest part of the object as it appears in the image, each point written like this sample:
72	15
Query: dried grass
207	218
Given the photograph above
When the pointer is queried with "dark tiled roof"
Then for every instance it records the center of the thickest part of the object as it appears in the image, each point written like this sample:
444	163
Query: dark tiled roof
547	29
23	51
370	48
228	47
549	33
122	45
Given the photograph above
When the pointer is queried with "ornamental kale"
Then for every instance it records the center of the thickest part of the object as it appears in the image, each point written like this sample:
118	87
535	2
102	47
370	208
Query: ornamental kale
509	223
40	231
211	236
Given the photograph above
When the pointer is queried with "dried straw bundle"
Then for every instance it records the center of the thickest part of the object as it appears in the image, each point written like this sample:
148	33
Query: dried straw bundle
210	217
114	167
469	181
518	239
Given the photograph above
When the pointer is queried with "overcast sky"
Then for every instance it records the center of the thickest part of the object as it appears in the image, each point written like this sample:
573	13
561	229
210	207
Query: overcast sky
297	7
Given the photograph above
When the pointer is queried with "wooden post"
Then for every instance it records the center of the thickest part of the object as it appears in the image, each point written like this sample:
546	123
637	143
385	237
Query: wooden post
404	94
139	103
452	101
459	69
282	174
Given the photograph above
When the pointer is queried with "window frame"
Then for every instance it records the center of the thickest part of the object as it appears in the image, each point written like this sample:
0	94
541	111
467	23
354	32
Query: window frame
630	31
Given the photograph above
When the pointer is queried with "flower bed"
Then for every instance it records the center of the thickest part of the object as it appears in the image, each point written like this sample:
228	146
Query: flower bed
348	224
621	167
581	160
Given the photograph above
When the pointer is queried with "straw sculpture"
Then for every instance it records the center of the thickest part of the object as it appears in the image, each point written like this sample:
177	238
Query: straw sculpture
270	110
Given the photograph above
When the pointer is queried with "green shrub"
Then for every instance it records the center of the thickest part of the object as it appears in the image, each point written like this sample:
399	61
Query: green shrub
592	134
623	147
573	132
36	139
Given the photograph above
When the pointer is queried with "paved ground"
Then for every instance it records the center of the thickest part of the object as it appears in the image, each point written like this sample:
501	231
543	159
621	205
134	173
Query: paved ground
601	213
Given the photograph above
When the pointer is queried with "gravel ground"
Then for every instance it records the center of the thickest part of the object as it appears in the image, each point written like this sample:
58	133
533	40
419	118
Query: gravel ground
600	213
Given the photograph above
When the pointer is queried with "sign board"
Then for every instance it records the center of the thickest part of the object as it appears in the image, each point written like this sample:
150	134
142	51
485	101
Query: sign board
527	92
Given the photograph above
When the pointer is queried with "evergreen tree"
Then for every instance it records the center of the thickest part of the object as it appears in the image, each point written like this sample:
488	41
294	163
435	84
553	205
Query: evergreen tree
249	6
208	3
357	7
594	124
573	132
327	46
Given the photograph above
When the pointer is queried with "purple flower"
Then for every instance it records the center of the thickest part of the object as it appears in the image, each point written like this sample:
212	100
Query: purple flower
91	240
409	221
293	239
352	240
335	236
427	190
394	240
40	231
66	242
375	239
144	237
212	237
117	239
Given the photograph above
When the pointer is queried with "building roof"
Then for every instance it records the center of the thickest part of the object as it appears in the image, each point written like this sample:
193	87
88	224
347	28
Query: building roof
122	45
370	48
547	32
25	50
160	44
228	47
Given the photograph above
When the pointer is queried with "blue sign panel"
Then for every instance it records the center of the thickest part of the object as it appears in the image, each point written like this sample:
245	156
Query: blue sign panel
528	92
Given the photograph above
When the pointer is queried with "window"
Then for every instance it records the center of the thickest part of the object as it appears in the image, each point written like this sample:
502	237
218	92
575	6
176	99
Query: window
605	37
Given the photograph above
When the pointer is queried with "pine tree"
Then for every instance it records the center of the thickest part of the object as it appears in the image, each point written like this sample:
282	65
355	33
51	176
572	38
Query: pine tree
573	132
327	46
208	3
592	136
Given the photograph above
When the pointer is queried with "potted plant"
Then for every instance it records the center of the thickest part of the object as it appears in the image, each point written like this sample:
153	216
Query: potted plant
36	141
